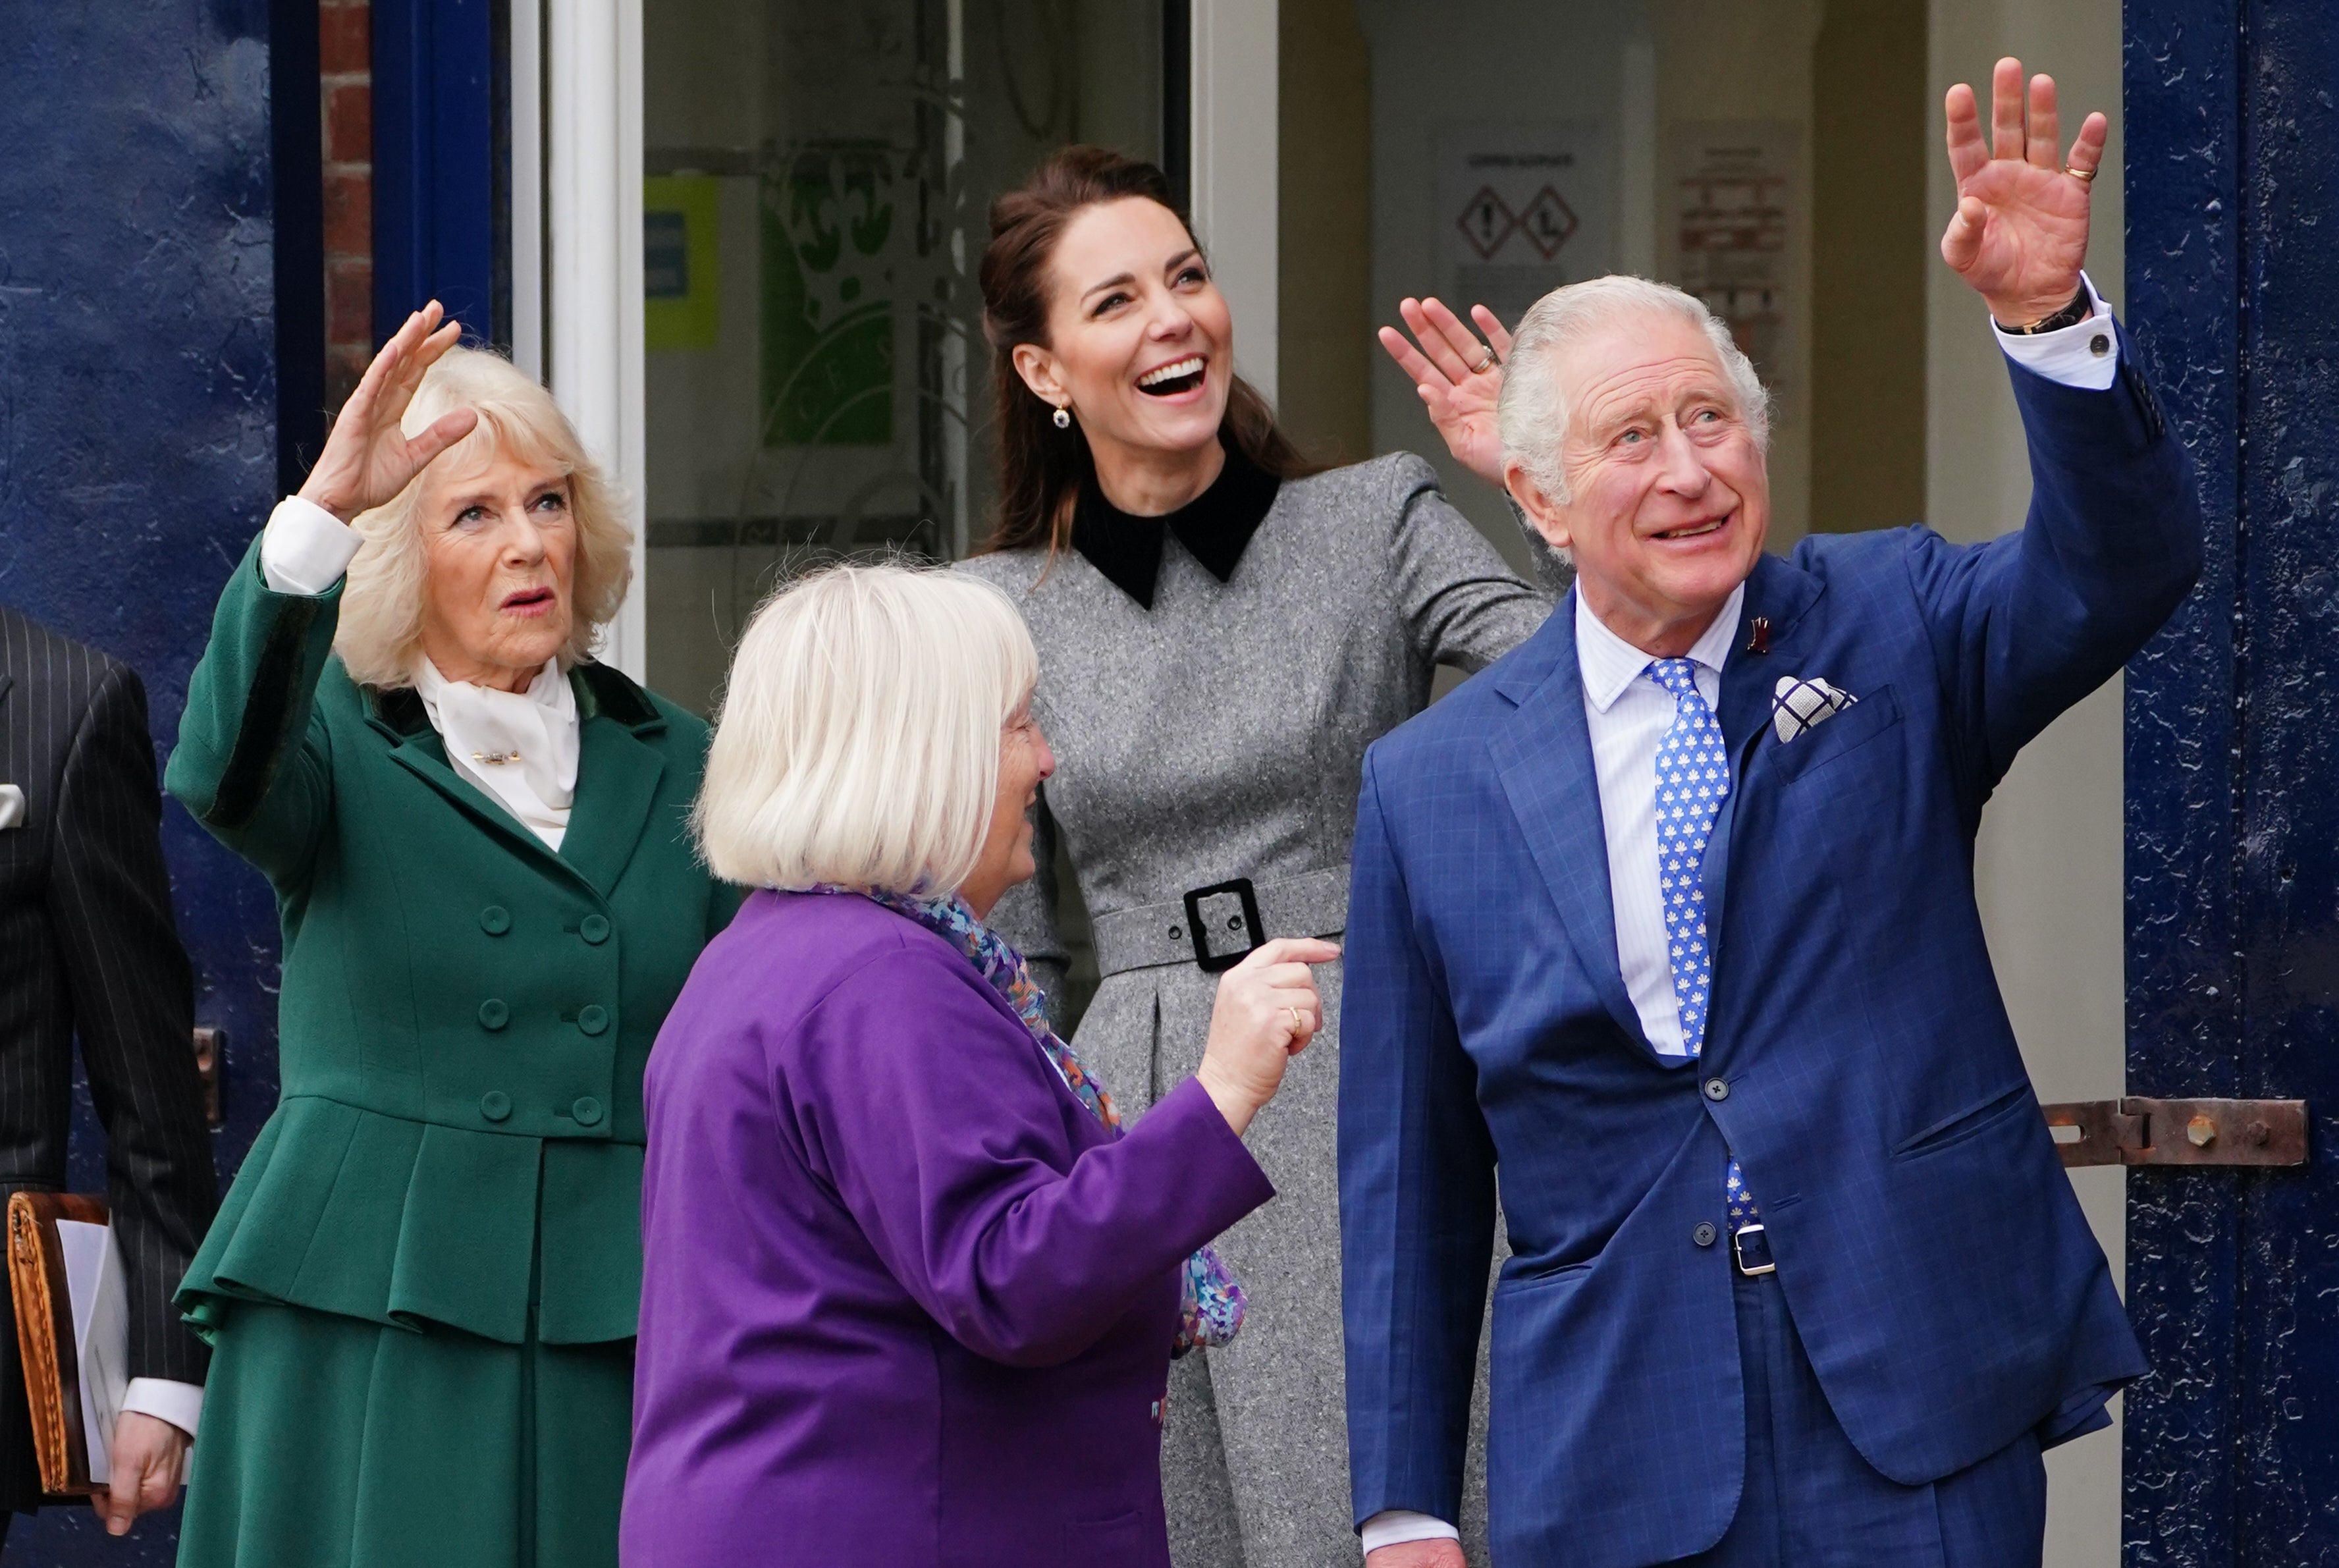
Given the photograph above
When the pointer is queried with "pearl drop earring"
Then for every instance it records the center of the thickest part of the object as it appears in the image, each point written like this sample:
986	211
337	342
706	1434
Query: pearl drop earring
1063	418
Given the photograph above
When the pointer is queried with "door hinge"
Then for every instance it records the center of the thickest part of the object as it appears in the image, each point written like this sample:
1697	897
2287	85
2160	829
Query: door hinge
2141	1131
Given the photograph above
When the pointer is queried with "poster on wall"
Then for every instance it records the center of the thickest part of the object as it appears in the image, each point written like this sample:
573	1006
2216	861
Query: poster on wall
1736	192
1521	209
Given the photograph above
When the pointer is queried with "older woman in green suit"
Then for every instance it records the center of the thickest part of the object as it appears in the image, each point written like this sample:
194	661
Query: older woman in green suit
422	1288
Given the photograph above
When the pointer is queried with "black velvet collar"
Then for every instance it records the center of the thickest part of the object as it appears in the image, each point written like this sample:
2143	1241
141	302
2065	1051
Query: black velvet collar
1215	526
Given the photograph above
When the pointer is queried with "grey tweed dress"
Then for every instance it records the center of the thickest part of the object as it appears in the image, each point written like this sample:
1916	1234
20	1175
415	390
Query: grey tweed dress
1219	735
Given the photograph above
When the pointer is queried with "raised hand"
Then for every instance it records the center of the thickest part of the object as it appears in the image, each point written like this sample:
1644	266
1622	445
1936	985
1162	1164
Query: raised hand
2020	232
368	459
1459	378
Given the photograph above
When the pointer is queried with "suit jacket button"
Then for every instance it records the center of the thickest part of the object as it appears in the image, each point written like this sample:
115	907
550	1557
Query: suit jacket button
593	1019
1704	1233
1716	1089
587	1110
494	920
594	929
495	1105
493	1014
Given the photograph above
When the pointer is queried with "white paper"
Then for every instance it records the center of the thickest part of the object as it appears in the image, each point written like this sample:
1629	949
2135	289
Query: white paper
101	1316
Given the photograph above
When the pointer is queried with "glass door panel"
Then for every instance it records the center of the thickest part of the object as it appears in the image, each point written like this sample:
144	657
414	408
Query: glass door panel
818	178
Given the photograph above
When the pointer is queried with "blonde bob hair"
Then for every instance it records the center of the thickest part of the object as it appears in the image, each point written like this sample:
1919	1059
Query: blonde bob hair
859	739
380	633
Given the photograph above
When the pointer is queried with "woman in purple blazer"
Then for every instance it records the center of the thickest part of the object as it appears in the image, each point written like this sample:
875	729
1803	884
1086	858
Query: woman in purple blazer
910	1294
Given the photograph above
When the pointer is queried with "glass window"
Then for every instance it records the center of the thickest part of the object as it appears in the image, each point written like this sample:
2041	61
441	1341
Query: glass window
818	180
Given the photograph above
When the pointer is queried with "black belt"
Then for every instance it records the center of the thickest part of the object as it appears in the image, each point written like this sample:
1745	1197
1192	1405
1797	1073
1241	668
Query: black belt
1750	1250
1216	927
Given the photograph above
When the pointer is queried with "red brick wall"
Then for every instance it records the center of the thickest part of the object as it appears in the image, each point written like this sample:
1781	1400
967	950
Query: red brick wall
345	29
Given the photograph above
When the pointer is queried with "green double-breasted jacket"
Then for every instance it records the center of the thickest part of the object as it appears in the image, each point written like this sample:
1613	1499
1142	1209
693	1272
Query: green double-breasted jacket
466	1013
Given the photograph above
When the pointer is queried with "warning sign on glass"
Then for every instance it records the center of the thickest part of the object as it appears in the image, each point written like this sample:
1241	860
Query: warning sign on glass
1522	209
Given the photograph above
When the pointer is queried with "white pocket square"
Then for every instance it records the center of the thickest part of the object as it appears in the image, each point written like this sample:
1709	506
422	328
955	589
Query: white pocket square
1801	702
12	806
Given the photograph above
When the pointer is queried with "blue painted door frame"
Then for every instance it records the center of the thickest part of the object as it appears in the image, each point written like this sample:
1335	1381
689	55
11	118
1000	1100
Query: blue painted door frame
2232	1456
439	206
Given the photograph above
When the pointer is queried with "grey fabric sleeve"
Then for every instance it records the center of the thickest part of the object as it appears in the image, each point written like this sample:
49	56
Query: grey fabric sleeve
1461	603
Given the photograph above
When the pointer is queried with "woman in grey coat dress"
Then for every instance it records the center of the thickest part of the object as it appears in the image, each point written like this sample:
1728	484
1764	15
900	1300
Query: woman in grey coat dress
1221	632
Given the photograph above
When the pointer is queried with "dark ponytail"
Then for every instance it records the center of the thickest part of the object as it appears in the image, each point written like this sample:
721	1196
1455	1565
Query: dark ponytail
1041	468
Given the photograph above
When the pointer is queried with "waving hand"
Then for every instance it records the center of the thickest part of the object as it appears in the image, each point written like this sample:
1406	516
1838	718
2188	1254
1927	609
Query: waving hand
2020	232
368	459
1458	376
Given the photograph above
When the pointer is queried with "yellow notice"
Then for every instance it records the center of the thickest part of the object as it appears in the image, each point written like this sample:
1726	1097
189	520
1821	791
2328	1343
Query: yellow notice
681	273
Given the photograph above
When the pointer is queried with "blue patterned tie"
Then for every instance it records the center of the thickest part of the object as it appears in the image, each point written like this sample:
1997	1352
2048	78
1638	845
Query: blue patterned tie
1692	778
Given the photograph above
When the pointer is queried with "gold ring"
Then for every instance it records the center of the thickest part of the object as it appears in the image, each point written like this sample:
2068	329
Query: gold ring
2084	177
1485	365
1298	1024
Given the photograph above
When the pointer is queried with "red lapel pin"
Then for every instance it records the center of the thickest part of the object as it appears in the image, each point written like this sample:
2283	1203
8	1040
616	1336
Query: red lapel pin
1758	636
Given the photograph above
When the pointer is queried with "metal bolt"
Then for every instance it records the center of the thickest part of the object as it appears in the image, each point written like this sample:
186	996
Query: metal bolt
2258	1132
2201	1132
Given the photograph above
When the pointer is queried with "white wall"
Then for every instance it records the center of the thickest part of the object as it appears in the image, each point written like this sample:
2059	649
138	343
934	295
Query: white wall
2049	864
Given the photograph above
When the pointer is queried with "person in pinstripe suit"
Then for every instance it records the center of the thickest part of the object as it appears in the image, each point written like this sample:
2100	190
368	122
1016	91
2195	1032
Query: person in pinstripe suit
88	948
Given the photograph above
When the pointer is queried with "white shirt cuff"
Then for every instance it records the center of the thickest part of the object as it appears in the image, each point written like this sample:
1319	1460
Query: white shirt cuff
1394	1526
180	1404
2085	354
305	548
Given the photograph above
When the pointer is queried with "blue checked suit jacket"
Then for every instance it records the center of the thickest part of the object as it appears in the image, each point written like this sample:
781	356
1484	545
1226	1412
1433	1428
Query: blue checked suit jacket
1943	1281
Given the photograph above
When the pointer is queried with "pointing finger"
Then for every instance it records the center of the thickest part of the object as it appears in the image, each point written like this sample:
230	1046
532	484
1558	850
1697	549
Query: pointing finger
1290	949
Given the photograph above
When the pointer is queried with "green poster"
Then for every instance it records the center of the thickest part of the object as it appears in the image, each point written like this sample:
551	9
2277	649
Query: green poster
827	297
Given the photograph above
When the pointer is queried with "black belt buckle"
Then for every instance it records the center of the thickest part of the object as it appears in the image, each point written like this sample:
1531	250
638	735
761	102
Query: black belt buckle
1751	1244
1245	925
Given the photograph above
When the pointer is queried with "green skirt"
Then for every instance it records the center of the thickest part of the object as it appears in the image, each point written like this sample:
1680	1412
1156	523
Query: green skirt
332	1441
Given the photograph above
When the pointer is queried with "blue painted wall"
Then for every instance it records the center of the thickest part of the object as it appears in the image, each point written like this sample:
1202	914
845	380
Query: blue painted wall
2233	831
138	450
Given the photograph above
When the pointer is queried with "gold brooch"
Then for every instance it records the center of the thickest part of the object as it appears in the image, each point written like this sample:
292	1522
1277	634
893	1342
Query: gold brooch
495	759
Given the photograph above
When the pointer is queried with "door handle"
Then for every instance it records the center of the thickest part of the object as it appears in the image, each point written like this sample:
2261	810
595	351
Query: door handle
2138	1130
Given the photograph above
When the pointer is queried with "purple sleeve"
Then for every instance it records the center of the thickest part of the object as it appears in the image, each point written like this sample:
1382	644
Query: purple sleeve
942	1128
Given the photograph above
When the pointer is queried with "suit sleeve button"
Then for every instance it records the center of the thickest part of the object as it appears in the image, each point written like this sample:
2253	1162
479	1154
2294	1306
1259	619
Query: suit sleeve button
593	1019
587	1110
495	1105
594	929
1716	1089
493	1014
1704	1233
494	920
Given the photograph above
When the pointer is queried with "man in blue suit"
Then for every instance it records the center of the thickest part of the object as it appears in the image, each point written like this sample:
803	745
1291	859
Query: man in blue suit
1669	916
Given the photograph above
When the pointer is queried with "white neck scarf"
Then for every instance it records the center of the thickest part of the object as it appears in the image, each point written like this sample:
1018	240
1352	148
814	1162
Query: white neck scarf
519	748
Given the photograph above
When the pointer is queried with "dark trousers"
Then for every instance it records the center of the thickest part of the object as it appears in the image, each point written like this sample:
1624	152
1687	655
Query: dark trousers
1811	1501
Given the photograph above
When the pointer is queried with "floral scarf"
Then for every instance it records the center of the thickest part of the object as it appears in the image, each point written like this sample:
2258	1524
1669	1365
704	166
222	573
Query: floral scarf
1211	1303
